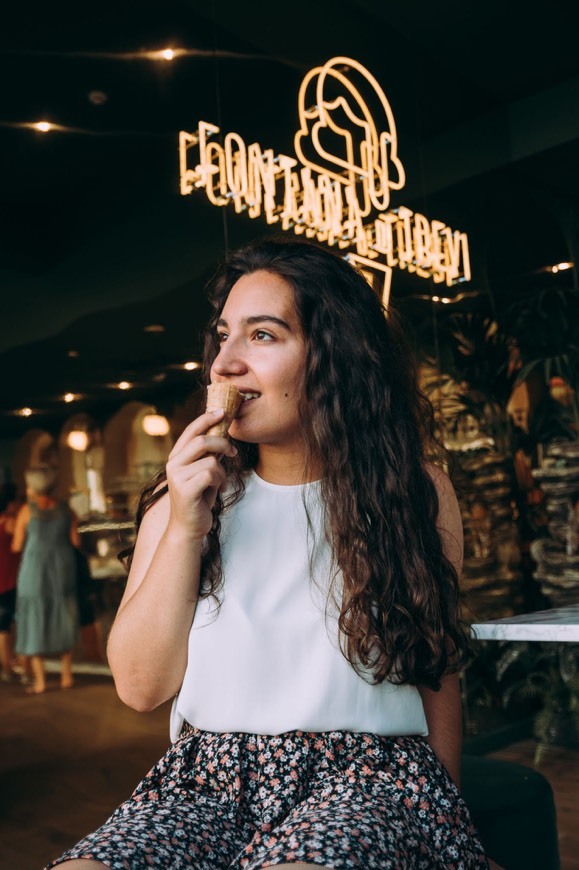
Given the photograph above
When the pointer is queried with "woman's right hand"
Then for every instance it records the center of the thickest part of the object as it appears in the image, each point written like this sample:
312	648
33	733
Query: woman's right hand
194	475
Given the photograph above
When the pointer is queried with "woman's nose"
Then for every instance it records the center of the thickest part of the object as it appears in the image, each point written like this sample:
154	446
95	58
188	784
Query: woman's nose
229	360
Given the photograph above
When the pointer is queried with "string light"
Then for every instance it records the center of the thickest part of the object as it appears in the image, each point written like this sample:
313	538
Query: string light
124	385
43	126
190	366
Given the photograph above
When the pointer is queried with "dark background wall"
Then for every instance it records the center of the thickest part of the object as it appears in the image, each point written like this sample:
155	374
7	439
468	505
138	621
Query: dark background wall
97	243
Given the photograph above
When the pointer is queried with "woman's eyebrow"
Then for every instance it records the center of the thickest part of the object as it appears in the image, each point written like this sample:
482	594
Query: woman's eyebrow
259	318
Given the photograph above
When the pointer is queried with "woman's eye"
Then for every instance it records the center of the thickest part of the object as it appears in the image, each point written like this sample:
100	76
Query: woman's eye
262	335
221	336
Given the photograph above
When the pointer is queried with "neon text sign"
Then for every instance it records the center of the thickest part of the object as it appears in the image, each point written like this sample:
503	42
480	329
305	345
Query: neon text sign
338	187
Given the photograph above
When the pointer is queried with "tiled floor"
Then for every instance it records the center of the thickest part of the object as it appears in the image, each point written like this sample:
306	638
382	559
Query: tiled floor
68	758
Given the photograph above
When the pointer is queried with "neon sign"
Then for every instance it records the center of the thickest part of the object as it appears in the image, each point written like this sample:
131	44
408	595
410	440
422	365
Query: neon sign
338	187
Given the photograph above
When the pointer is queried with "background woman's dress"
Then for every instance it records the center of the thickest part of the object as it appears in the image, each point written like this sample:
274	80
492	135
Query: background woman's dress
9	562
46	602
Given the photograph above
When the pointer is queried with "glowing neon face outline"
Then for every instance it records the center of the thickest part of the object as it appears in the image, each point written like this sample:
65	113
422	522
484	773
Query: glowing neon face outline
374	149
332	206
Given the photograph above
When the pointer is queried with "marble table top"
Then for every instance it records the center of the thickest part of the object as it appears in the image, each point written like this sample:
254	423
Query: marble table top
560	624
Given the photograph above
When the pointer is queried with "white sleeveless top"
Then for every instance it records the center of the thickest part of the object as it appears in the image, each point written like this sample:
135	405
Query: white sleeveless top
268	661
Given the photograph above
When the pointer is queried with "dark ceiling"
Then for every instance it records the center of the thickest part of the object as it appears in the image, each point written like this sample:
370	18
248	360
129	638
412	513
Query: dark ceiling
97	243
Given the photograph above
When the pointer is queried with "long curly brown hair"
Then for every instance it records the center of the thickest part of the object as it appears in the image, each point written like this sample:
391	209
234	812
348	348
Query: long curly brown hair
364	416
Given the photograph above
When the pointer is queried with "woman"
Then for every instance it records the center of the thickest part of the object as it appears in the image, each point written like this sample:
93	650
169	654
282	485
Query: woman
46	599
297	591
9	562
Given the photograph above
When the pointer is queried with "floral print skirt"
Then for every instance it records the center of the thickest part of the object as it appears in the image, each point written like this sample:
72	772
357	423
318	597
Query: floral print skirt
247	801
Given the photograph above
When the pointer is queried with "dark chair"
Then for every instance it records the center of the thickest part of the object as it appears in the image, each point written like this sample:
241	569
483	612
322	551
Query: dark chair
513	809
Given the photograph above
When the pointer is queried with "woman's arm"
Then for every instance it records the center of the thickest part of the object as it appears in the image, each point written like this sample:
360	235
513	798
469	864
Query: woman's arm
443	709
147	647
8	519
74	534
20	526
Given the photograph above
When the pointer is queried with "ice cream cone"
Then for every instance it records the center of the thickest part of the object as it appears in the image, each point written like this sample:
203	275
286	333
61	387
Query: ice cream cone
224	396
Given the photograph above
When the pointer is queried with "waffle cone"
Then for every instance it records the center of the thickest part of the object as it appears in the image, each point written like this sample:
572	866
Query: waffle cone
224	396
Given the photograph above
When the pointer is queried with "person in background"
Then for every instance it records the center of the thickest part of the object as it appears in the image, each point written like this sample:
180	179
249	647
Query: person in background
295	590
9	561
46	599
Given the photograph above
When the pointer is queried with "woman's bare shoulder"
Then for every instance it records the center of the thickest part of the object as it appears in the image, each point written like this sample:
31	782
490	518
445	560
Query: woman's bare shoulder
24	512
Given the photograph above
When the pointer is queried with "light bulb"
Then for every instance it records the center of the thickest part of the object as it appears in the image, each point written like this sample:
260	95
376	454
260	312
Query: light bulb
77	439
155	424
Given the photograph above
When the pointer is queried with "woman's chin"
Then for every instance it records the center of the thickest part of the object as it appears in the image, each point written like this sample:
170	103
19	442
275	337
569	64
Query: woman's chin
240	433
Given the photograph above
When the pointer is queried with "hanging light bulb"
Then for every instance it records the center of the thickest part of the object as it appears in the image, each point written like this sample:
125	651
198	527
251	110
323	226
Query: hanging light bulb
77	439
155	424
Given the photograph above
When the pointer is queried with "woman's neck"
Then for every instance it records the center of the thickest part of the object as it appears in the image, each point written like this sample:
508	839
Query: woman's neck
284	467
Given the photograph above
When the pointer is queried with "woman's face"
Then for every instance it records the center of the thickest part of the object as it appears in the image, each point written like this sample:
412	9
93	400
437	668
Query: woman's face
262	353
